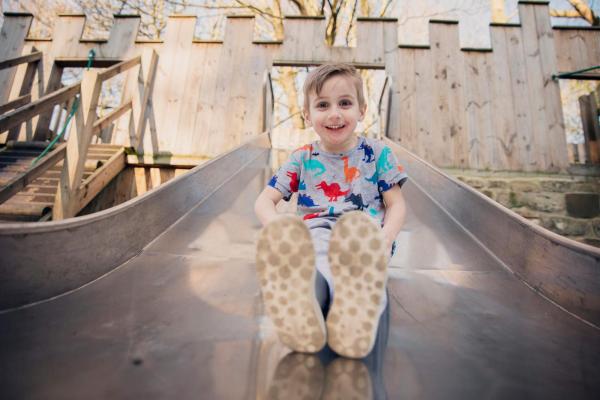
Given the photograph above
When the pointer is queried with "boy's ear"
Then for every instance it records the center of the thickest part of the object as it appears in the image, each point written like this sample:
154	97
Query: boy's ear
363	111
306	116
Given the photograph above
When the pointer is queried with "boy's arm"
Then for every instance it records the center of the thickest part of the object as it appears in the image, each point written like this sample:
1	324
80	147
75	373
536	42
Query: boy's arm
395	210
265	203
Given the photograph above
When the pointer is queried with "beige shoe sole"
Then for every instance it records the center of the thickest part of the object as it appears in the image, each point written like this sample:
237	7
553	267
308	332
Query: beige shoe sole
285	261
358	261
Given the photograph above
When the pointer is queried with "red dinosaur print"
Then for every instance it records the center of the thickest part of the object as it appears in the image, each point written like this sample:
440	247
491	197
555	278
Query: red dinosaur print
351	173
332	191
293	181
400	168
310	216
305	147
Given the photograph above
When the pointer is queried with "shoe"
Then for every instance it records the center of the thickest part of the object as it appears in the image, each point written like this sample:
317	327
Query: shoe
358	261
298	376
285	262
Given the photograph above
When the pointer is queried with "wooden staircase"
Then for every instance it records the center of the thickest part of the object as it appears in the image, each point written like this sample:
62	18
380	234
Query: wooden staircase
35	201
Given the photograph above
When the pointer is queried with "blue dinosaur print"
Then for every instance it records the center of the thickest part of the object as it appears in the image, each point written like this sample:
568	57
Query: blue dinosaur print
373	179
302	185
369	153
383	186
306	201
357	200
311	165
383	163
373	212
273	181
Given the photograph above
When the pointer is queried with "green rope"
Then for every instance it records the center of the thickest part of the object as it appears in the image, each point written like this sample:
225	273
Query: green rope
62	131
567	74
91	55
90	60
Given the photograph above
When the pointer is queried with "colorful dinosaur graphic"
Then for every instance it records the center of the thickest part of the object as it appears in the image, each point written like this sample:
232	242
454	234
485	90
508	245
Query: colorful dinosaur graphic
383	163
369	153
357	200
383	186
307	147
310	216
332	191
293	181
351	173
373	179
312	165
306	201
273	181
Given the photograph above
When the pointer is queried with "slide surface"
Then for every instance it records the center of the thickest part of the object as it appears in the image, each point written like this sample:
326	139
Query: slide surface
184	319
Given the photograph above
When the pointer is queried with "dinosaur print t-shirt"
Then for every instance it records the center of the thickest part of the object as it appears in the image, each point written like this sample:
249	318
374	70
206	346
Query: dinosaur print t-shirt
329	184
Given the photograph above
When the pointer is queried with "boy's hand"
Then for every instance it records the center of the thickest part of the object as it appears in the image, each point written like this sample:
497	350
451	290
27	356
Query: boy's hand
264	207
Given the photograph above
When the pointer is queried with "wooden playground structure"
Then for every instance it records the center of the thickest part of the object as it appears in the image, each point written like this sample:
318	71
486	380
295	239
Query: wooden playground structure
156	294
186	101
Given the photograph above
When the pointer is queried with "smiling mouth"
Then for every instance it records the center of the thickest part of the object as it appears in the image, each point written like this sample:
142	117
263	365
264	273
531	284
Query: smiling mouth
335	127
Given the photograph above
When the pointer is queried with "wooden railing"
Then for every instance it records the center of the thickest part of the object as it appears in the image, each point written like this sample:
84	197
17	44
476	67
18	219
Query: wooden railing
72	195
34	64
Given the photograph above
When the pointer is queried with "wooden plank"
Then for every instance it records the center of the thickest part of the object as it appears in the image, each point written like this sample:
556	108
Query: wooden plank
369	41
477	108
425	111
13	33
238	34
30	110
505	150
143	108
556	142
119	68
94	184
19	182
404	101
109	118
535	86
16	103
27	58
121	39
442	148
522	112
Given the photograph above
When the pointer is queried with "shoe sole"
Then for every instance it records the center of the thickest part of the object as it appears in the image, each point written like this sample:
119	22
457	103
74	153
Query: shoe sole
359	271
285	261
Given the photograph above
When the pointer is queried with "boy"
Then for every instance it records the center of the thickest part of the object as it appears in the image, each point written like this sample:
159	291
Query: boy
336	253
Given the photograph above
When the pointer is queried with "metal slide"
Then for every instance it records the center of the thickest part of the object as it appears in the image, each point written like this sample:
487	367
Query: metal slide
91	310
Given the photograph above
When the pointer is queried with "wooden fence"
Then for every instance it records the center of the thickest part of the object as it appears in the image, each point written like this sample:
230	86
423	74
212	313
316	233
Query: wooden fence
496	109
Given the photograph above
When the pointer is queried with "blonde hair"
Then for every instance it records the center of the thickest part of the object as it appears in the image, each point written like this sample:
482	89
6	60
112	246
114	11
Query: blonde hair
317	78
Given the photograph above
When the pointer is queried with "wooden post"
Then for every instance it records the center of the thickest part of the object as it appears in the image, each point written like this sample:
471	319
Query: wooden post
13	33
26	86
65	205
591	130
141	97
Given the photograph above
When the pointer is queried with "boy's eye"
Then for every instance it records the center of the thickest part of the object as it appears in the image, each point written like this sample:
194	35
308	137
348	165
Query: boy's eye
345	103
322	104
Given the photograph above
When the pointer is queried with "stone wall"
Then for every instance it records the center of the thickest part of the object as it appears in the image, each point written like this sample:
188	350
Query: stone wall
565	204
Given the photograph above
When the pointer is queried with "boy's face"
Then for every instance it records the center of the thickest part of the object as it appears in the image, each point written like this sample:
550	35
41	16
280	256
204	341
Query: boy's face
334	114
